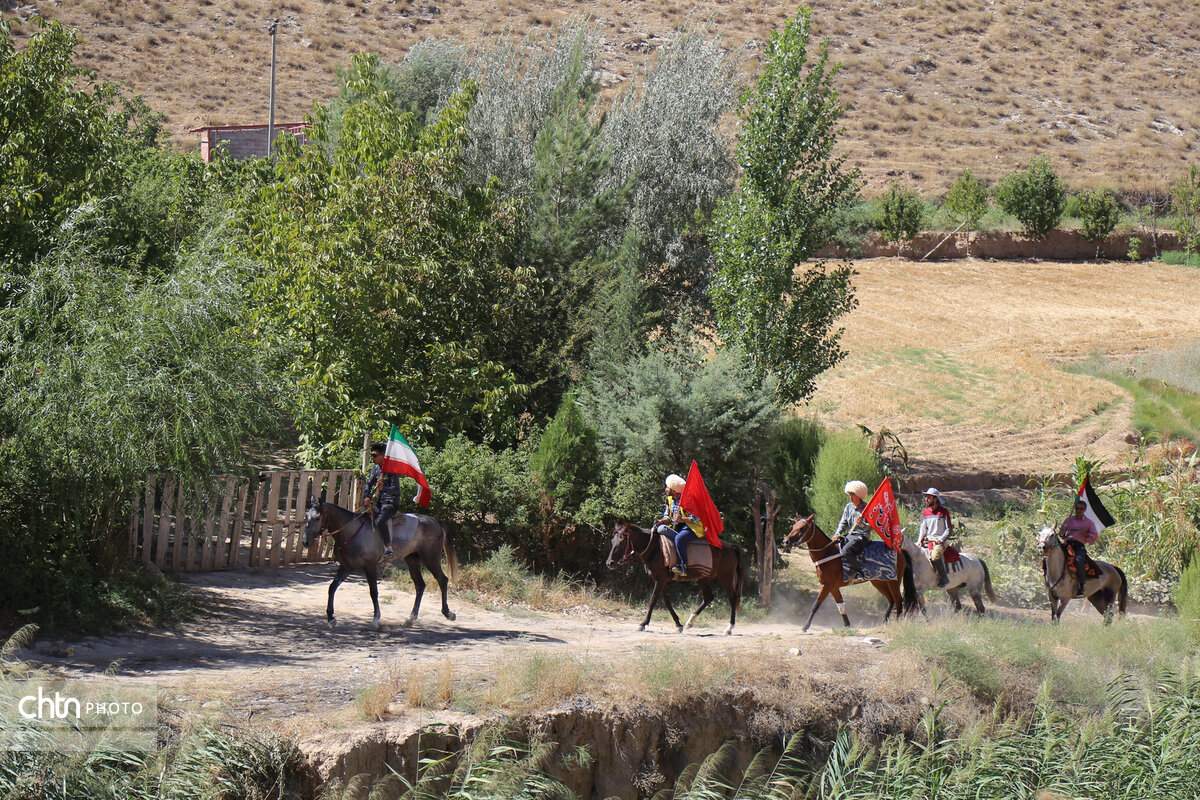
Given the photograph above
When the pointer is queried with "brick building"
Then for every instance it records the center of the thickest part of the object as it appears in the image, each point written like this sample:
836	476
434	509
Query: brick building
243	141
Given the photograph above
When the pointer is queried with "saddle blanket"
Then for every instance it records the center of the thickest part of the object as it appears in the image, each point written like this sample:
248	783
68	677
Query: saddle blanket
879	564
403	527
1090	567
699	559
949	555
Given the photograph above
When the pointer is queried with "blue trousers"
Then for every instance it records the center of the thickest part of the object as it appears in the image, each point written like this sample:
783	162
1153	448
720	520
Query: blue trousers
684	535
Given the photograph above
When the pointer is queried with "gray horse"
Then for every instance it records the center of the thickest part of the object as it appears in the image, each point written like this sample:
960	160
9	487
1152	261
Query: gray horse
971	574
417	538
1103	592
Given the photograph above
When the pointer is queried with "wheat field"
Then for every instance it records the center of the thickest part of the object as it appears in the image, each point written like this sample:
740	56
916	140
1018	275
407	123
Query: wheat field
1106	88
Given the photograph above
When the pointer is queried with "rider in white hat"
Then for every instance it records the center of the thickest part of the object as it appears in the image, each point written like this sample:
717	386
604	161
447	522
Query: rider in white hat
936	528
853	532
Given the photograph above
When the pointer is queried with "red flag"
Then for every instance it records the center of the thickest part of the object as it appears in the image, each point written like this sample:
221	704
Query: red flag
695	501
881	514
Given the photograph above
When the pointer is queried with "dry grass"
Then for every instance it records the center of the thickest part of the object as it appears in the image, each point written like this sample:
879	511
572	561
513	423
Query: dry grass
1094	59
373	700
963	359
430	685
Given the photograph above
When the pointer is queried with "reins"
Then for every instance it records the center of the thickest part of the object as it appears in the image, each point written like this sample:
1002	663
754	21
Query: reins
826	546
340	546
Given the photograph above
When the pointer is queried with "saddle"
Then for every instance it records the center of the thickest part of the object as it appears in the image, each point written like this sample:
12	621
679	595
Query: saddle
949	555
878	563
699	560
1090	568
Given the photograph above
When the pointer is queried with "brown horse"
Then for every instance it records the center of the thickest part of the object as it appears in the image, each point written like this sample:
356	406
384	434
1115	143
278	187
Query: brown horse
1100	592
828	561
630	540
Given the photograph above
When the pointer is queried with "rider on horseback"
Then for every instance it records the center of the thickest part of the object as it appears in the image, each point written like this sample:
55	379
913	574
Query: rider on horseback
935	531
383	495
1080	531
853	533
684	527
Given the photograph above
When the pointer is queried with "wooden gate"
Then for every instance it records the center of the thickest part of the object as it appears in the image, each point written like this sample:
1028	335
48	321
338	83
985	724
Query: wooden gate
235	523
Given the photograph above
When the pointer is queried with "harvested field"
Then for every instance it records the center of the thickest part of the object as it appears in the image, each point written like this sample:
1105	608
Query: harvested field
963	359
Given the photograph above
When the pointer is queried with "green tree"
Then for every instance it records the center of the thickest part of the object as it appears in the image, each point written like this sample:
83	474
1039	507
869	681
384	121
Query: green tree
63	137
1186	202
777	313
901	215
390	279
843	457
1099	212
790	468
567	461
967	201
1036	196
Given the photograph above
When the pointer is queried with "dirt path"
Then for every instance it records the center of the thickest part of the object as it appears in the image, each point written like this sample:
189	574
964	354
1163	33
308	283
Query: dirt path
261	645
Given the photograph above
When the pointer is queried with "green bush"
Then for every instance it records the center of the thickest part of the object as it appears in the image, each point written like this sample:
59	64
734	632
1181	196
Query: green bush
1099	212
567	461
1178	258
790	469
967	202
843	457
1187	598
1035	196
902	213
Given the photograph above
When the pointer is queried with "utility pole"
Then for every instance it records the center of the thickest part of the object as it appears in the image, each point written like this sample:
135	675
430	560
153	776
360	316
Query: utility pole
271	118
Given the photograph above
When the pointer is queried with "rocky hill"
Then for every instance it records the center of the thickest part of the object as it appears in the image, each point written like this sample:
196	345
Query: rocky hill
1107	88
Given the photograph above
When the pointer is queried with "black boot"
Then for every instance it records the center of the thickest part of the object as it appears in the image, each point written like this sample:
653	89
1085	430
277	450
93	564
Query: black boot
943	580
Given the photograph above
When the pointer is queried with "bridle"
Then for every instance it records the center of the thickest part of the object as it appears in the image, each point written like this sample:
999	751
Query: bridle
630	550
338	547
810	531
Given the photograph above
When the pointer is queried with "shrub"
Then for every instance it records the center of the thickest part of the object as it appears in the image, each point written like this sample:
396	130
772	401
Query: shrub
1186	203
902	212
1187	598
1099	212
790	469
1035	196
567	461
843	457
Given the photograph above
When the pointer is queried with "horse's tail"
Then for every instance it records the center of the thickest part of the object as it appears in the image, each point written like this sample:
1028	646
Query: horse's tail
910	587
451	556
987	581
1123	592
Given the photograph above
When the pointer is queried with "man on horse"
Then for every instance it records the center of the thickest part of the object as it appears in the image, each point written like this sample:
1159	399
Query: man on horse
1078	531
684	527
383	496
853	534
935	531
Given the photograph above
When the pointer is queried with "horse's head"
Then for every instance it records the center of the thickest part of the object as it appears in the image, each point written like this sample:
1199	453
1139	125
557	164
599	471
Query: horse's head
801	532
314	520
1048	539
622	548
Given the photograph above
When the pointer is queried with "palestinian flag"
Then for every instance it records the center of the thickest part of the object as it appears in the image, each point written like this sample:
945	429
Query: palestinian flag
399	458
1096	511
696	501
882	515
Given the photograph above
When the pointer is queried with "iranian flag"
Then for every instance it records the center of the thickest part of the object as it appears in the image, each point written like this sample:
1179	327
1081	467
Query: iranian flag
882	515
1096	511
400	458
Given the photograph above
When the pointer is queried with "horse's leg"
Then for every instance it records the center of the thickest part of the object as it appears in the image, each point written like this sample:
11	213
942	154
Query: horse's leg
414	569
435	566
885	589
706	593
729	582
977	596
667	602
658	590
836	591
821	595
371	571
337	581
954	600
1101	600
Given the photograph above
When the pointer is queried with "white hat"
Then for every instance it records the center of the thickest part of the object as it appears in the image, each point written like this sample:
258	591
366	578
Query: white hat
857	488
675	482
934	492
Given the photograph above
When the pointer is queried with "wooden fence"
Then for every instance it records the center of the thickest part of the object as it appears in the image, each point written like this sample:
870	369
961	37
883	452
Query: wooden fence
236	523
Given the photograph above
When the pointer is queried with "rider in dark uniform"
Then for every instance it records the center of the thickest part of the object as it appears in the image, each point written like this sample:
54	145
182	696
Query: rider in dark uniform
382	494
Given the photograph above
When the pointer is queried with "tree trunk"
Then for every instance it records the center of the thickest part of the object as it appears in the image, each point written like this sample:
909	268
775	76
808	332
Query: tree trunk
768	570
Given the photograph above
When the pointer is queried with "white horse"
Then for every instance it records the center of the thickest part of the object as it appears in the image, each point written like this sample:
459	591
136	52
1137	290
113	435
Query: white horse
971	572
1100	592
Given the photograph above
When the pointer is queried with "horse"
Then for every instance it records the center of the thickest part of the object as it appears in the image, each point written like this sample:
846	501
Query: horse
630	540
828	560
1100	592
417	538
973	574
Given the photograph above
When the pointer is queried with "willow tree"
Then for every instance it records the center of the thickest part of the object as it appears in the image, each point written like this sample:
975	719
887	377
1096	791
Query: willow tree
769	298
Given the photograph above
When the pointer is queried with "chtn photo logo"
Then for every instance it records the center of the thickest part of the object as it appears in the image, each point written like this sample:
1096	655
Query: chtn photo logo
58	706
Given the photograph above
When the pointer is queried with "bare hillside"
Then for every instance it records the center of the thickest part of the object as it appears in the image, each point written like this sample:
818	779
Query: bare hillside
1107	88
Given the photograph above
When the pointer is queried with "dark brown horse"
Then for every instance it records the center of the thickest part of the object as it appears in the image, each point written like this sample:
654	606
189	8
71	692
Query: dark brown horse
828	561
417	538
630	540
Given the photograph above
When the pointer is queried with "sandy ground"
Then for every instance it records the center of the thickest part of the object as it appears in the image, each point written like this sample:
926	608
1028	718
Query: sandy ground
261	647
963	359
